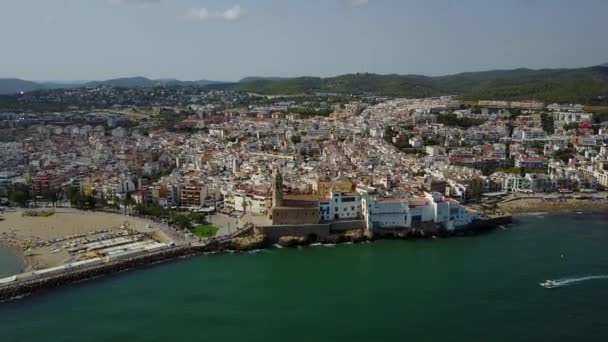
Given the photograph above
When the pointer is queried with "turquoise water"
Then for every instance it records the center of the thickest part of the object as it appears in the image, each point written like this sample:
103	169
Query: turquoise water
481	288
10	263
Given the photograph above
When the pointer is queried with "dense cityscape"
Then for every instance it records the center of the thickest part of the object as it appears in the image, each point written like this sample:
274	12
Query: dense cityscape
215	150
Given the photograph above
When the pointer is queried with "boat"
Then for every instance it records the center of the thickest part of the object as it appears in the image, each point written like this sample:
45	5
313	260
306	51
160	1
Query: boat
549	284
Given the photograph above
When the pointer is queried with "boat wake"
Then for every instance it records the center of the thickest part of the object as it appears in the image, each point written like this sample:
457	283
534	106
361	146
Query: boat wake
570	281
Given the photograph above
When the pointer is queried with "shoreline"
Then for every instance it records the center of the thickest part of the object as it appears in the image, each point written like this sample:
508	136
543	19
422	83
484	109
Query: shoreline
237	243
527	205
25	284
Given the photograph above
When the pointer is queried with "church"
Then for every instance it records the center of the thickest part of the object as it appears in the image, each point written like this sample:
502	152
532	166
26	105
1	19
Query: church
289	212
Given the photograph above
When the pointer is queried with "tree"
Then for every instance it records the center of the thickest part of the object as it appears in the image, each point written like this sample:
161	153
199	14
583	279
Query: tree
245	205
548	124
476	190
20	197
389	133
296	139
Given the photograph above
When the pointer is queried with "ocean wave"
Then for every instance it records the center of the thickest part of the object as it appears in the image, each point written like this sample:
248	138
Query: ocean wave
539	213
255	251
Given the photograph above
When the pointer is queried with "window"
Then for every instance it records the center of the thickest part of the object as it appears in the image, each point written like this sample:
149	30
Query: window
416	218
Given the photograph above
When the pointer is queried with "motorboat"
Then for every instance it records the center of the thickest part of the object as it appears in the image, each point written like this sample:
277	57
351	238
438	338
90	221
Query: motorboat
549	284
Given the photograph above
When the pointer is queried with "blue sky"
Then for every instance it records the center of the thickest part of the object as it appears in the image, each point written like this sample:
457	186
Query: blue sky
228	40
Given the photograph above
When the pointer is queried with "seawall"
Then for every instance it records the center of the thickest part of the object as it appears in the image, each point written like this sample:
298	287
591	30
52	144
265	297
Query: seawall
314	232
18	289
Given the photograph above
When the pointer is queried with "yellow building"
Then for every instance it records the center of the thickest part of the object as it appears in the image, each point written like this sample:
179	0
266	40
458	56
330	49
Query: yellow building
324	188
86	188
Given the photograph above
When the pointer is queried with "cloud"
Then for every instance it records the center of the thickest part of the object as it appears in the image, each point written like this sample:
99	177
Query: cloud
203	14
359	3
134	2
232	13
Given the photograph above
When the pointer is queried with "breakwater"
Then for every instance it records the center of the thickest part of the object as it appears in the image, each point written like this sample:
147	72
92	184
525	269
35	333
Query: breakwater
18	289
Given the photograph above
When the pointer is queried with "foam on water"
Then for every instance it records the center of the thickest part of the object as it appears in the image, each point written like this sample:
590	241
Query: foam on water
539	213
255	251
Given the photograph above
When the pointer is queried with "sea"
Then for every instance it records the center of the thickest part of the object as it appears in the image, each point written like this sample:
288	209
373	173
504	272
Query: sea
479	288
10	262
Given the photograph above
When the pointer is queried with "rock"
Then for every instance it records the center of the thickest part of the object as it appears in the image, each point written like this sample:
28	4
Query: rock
335	238
247	243
291	241
355	236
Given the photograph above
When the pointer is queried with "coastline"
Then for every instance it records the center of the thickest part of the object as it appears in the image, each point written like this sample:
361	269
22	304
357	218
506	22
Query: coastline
248	243
45	234
533	205
25	284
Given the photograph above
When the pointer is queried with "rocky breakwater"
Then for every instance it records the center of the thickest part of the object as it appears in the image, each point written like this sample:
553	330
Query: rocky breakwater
241	243
20	289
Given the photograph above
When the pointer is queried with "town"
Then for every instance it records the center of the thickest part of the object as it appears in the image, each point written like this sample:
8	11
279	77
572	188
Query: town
412	160
208	169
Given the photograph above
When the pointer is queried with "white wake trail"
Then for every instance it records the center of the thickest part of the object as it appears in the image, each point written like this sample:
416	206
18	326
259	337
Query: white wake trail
572	281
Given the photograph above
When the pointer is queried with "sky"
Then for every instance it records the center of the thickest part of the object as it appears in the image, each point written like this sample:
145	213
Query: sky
223	40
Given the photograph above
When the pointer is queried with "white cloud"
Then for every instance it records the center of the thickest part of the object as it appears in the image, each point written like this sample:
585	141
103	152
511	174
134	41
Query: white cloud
203	14
359	3
232	13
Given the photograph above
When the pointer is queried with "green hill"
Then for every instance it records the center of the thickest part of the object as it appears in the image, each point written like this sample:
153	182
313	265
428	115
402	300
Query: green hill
15	85
551	85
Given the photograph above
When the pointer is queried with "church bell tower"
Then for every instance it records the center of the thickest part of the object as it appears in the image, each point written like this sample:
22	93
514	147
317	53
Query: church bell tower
277	189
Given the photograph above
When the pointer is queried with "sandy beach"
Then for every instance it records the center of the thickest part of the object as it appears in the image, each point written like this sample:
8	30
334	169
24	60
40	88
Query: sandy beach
527	205
17	230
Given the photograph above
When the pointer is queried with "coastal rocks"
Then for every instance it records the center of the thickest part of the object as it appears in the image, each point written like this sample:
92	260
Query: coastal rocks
248	243
292	241
355	236
243	244
335	238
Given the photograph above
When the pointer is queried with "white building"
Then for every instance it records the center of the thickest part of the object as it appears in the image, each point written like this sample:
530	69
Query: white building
340	206
403	213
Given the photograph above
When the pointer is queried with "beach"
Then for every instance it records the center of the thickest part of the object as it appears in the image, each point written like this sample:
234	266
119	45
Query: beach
45	234
536	204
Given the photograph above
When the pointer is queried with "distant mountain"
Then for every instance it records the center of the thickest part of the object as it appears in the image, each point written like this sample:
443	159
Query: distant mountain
582	85
9	86
559	85
260	78
14	86
142	82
